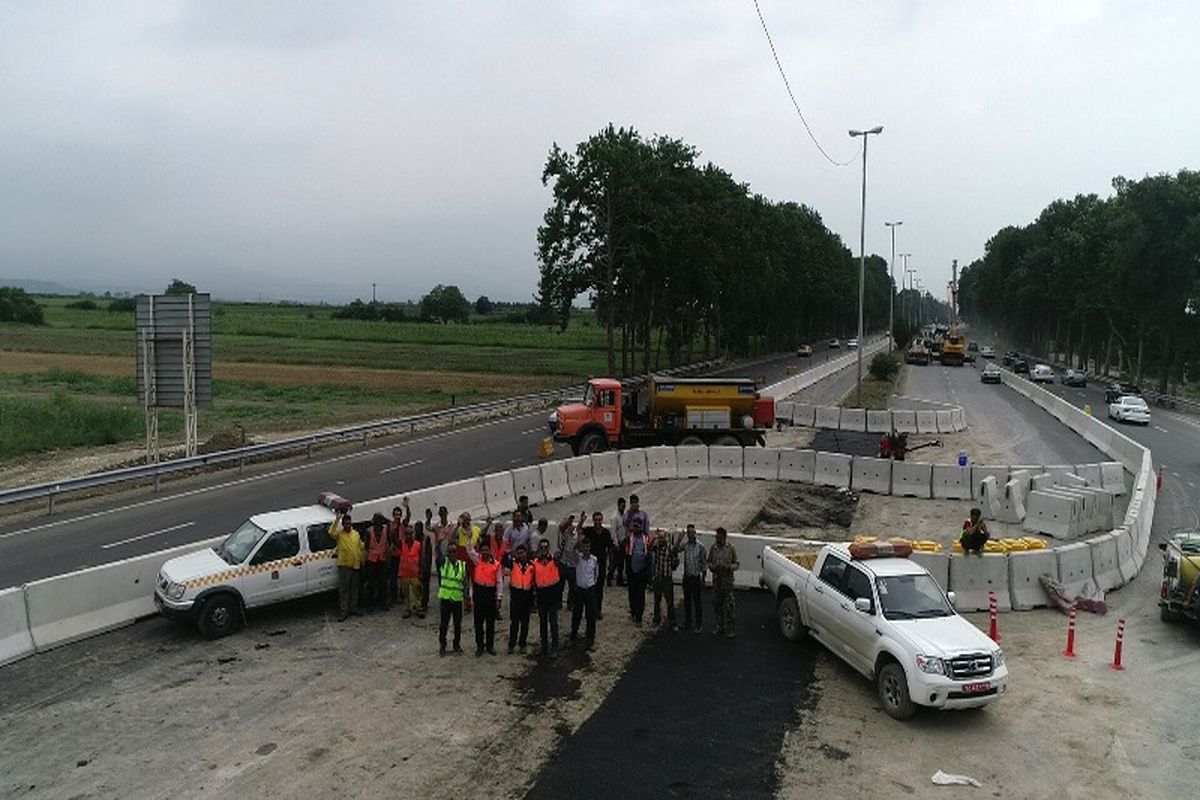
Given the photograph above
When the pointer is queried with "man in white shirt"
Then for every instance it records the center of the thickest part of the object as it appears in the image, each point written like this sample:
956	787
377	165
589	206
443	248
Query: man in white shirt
616	564
587	573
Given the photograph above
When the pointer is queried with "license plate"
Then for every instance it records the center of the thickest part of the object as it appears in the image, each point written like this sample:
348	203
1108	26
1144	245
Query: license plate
977	688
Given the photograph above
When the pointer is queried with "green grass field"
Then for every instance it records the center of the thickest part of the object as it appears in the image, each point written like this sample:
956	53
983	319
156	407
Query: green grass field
277	367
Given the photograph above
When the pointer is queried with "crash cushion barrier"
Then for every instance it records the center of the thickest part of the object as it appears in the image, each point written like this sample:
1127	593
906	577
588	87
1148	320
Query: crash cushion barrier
498	493
938	565
1043	480
527	481
945	421
978	473
1025	569
971	577
554	481
633	466
15	639
904	421
660	463
579	474
1112	477
853	419
951	482
726	461
828	417
911	479
79	604
1106	568
761	463
691	461
606	469
1052	514
1127	560
1074	568
798	466
832	469
927	422
1090	473
804	414
871	475
879	421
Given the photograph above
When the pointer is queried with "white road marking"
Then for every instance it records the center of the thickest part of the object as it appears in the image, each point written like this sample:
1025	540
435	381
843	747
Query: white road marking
539	429
1192	484
1161	430
147	535
402	466
240	481
1176	475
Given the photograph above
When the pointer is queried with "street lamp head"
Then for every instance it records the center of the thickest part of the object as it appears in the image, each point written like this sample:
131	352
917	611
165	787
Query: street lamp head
876	129
894	224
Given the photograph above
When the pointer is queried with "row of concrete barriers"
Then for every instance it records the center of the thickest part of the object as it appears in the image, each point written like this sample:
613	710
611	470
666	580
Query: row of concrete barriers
861	420
790	385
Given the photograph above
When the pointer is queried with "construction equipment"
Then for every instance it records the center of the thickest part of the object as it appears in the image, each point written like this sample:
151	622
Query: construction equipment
954	349
895	445
1179	593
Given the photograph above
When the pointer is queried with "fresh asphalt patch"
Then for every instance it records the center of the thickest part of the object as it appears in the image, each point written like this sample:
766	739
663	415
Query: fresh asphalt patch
694	715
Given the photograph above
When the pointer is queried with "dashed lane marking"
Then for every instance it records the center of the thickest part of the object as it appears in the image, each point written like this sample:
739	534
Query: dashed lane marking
539	429
405	465
1161	430
180	526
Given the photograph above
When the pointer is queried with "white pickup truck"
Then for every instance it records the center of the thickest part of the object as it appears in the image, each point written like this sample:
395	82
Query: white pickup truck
887	618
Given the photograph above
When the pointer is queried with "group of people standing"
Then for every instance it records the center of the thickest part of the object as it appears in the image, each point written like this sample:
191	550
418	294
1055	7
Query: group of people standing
399	559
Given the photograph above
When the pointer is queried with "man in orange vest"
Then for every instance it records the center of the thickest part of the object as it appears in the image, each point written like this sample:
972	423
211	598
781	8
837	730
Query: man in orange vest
520	581
488	583
409	572
399	521
377	562
548	593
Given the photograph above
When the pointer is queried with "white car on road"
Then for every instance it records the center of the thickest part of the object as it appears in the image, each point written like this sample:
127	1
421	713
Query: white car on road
1041	373
853	343
886	617
1130	408
986	352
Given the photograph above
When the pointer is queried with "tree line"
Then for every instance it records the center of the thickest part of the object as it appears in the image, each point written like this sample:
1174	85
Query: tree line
1108	283
680	261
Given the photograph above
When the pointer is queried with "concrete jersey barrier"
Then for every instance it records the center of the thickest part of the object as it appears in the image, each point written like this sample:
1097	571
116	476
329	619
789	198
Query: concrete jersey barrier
912	479
727	461
832	469
971	577
606	469
15	640
499	493
579	474
633	466
871	475
554	481
1025	570
527	481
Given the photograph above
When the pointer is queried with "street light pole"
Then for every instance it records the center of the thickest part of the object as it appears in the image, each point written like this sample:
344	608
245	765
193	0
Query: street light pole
909	275
892	291
862	253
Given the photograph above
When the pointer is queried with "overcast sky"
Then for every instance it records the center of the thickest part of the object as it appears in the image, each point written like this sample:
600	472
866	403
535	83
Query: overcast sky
306	150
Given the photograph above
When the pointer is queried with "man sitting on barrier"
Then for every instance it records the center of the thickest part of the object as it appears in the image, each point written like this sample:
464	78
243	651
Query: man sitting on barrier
974	534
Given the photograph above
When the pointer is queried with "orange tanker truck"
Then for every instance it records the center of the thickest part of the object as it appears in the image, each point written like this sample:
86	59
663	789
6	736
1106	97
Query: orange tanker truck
664	410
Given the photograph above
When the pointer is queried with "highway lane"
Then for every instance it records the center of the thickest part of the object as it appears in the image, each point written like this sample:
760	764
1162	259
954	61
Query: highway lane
133	523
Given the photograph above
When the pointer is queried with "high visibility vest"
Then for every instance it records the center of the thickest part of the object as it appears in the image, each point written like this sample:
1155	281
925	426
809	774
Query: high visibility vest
410	559
486	572
376	544
545	574
450	580
497	543
521	575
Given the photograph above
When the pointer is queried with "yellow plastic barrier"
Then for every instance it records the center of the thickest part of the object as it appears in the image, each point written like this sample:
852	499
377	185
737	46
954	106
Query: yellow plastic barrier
866	539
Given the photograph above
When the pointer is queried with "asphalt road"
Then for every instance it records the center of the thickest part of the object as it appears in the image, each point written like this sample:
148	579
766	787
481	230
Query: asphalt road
692	715
89	533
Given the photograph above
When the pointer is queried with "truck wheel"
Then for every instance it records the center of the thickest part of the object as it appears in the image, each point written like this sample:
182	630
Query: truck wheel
728	441
1167	615
591	443
219	616
691	441
893	692
789	620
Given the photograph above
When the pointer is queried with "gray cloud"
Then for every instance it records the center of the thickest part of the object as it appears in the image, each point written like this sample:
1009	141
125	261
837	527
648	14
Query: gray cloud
308	150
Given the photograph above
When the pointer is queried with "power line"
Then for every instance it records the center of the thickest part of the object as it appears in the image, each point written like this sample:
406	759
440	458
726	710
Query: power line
787	85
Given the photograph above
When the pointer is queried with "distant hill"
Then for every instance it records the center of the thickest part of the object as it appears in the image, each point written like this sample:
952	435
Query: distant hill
34	286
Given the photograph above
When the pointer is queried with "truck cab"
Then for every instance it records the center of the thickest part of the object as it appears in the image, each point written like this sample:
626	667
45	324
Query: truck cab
1179	593
886	617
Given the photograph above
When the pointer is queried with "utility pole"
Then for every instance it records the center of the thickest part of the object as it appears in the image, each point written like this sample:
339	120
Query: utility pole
862	254
904	277
372	293
892	288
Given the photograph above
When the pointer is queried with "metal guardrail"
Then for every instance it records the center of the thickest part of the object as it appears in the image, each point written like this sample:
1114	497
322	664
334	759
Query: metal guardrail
51	489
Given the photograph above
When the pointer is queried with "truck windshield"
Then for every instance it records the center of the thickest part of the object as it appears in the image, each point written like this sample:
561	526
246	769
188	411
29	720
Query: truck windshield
911	597
589	396
239	544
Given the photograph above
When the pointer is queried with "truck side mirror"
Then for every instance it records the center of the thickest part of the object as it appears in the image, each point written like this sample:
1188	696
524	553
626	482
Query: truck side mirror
952	598
863	604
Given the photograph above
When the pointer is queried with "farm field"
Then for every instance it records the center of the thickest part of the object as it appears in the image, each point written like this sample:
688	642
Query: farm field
277	368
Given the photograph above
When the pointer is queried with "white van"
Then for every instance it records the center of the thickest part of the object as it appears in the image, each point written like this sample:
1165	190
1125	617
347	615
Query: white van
1041	373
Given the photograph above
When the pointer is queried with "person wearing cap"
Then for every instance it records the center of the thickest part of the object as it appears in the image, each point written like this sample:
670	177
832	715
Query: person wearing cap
349	549
637	553
723	562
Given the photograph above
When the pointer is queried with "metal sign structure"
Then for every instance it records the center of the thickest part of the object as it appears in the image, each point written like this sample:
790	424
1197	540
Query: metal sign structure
174	361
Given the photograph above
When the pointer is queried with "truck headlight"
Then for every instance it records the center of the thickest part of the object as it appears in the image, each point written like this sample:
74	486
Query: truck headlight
175	590
998	659
931	665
